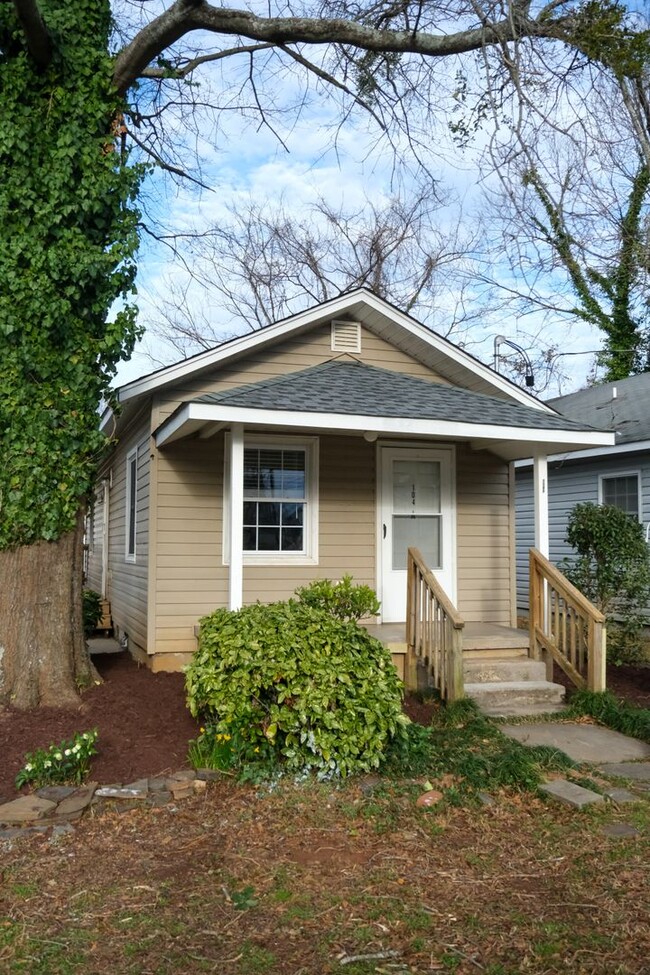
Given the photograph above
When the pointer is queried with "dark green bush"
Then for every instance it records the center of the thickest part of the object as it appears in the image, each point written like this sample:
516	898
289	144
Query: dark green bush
342	599
92	610
319	692
612	569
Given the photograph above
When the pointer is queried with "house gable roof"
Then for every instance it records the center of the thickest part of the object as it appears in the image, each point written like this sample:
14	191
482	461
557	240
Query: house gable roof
452	363
343	396
355	388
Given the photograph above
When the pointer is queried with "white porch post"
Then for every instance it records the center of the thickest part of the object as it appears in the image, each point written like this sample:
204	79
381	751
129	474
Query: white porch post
236	514
540	490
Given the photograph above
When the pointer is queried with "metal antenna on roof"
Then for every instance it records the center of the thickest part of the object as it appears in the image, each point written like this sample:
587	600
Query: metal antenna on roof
502	340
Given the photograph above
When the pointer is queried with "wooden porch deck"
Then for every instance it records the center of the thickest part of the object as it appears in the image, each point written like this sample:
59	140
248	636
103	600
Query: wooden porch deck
483	638
483	641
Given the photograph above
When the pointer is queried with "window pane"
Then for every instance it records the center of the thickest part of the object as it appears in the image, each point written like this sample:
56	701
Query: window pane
292	514
268	539
293	475
269	513
423	532
623	492
250	539
270	474
251	472
250	512
292	539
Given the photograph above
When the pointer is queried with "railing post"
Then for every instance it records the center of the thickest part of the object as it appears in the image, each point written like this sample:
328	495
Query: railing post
534	617
411	663
597	657
455	681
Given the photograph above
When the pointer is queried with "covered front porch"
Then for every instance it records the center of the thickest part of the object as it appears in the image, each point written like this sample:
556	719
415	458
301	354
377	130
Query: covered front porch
507	669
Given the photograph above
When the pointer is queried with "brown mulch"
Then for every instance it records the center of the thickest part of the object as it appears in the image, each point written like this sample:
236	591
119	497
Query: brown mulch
144	725
143	722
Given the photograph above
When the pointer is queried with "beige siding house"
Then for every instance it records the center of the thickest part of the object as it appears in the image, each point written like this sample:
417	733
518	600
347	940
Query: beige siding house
325	444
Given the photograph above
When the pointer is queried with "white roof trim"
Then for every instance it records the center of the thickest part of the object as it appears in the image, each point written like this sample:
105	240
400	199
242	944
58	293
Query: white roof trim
192	416
614	451
331	308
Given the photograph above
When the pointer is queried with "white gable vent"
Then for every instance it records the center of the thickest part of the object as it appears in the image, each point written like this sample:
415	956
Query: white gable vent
346	336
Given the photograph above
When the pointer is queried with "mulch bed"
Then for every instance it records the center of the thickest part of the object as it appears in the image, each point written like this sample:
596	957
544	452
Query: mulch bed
144	725
143	722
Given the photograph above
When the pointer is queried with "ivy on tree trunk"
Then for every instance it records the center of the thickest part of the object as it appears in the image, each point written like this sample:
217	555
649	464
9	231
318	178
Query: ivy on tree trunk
69	235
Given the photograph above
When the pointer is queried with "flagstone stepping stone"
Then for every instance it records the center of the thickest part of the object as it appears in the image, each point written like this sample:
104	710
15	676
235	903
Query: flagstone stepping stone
638	771
25	809
73	806
620	830
120	792
570	793
56	792
621	795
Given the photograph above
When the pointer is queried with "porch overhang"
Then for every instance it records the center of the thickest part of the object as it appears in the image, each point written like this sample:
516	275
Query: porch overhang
506	441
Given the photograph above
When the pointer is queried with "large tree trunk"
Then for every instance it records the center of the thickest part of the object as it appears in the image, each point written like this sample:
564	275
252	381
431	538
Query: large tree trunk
43	655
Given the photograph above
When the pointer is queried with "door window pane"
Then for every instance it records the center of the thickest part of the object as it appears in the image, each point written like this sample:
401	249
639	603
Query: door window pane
416	487
420	531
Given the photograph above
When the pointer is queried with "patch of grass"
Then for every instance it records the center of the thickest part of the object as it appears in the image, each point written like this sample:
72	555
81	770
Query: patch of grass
468	748
613	713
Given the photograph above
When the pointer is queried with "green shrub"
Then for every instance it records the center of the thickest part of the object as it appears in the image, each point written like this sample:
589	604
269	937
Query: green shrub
342	599
292	683
65	764
92	610
612	569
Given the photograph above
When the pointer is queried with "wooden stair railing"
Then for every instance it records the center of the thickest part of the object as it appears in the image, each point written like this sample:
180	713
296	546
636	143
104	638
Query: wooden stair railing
434	631
565	626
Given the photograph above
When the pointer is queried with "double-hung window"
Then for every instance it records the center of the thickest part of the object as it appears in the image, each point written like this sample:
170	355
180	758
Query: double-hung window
622	491
131	503
280	501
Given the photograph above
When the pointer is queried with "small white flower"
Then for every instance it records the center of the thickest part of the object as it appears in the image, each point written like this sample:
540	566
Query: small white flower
48	763
67	752
58	756
28	768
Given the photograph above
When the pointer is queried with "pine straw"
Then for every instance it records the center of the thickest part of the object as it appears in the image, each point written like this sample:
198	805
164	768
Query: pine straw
306	879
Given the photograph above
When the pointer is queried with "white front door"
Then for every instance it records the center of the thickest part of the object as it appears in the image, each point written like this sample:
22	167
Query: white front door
416	508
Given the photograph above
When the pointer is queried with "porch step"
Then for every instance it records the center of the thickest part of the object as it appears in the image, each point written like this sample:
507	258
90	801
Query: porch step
511	697
485	670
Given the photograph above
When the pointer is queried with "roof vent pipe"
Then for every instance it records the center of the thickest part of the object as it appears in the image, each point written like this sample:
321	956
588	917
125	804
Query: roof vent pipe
614	392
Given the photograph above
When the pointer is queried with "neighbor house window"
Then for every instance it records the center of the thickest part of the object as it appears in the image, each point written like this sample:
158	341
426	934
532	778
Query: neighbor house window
622	490
280	501
131	503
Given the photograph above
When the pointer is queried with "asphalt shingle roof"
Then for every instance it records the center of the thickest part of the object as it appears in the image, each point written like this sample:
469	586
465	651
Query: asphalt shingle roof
627	412
355	388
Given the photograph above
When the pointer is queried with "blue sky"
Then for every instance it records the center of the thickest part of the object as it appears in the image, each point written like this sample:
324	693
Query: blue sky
247	163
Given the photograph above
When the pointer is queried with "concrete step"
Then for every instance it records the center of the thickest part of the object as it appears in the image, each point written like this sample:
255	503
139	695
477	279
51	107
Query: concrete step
496	653
516	696
488	670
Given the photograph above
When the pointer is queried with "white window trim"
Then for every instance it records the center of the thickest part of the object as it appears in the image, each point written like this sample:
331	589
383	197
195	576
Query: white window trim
615	474
131	491
310	555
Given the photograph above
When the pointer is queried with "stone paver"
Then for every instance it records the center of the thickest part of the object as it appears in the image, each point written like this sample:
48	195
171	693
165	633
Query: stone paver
571	794
581	742
621	795
638	771
25	809
620	829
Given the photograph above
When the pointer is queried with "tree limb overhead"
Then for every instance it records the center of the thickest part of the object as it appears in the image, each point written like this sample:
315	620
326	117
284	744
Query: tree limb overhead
36	33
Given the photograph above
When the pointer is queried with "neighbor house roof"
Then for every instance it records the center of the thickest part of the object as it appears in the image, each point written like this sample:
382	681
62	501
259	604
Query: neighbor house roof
341	395
623	406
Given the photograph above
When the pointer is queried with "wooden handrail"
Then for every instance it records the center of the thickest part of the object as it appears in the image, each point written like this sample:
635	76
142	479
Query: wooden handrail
564	626
434	631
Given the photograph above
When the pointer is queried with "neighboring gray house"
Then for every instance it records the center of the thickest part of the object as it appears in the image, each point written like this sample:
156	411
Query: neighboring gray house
617	475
